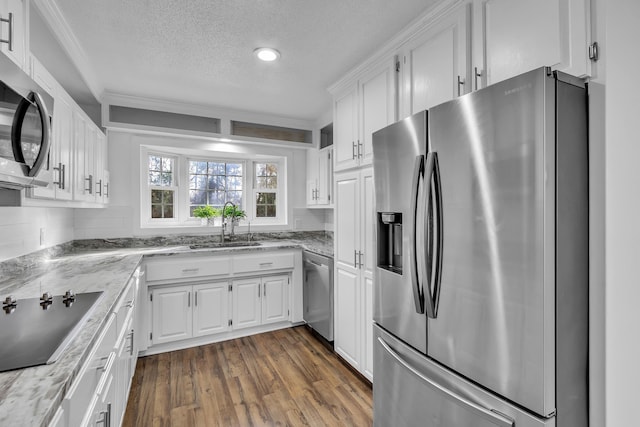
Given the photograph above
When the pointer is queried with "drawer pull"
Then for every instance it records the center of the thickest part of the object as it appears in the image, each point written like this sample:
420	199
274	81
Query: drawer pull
266	264
190	270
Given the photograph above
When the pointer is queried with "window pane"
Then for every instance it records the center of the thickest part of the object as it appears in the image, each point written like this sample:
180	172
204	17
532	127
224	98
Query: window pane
260	169
270	198
234	169
197	167
197	197
271	182
217	198
235	197
234	183
271	211
167	164
154	178
167	197
168	211
154	163
261	211
216	168
217	183
198	182
156	211
166	179
156	196
271	169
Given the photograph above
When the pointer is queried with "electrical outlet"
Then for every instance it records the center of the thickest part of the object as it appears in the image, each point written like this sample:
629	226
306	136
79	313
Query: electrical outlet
41	236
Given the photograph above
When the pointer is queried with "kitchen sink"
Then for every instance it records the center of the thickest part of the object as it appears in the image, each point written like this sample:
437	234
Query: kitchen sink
213	245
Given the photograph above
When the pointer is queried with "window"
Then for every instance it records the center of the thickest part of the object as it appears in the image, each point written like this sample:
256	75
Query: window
174	181
214	183
266	189
162	186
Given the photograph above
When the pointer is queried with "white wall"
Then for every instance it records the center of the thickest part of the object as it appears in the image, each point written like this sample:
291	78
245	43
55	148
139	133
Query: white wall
122	217
20	229
622	213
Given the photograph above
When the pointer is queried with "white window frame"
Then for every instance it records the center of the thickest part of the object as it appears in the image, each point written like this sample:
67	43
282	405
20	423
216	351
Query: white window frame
280	206
182	216
146	188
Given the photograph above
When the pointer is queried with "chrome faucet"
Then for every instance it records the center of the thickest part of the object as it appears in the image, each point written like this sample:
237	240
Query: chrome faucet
224	224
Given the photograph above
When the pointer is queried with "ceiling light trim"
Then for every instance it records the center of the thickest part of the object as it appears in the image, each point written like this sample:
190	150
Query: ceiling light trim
267	54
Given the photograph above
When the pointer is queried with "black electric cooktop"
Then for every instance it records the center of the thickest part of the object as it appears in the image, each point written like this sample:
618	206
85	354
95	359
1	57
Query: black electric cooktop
35	331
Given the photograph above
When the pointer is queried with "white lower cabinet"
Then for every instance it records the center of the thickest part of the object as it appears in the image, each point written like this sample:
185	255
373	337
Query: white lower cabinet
211	309
188	311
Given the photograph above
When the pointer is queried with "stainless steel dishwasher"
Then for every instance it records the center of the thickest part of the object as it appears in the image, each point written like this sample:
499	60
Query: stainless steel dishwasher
318	293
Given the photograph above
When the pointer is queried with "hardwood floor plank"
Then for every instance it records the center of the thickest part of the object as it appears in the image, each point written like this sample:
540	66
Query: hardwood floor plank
280	378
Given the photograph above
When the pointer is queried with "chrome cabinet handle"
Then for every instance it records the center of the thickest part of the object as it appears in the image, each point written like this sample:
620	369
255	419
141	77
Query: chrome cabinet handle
189	299
99	188
61	183
106	417
355	259
360	259
353	150
359	152
196	299
90	189
8	41
492	416
476	74
265	264
106	189
259	285
460	83
190	270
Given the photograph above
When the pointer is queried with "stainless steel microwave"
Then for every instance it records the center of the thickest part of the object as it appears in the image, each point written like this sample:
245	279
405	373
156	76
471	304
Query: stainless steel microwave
25	128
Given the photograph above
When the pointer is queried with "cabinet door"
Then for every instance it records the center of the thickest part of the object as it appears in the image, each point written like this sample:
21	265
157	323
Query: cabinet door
377	107
347	227
312	175
345	130
246	303
211	308
515	36
325	176
436	64
81	187
19	13
347	336
275	299
368	245
63	134
171	314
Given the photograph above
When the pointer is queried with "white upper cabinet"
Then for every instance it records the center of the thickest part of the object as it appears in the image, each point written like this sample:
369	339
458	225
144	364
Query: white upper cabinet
515	36
365	107
319	177
435	64
14	15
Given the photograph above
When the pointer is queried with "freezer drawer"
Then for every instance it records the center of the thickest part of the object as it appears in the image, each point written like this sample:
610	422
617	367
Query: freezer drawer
412	390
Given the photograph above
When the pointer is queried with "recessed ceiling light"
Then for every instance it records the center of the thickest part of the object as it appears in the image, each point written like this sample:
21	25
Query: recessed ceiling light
266	54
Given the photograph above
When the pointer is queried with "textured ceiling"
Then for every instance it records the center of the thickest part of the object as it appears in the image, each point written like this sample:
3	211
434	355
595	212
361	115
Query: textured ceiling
200	51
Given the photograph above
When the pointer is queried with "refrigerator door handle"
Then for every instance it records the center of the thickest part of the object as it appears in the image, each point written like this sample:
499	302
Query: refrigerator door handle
432	175
490	415
418	293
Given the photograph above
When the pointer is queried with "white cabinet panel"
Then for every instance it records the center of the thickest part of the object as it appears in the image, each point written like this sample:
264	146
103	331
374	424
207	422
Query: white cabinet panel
188	268
246	303
275	299
171	314
261	263
436	64
211	308
515	36
346	218
347	316
345	130
17	11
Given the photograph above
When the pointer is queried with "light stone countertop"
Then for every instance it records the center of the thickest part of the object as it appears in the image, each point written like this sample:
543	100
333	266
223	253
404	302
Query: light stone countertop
34	394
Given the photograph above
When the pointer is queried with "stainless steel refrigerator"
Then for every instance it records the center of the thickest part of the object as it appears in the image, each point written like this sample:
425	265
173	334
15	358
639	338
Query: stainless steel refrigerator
481	287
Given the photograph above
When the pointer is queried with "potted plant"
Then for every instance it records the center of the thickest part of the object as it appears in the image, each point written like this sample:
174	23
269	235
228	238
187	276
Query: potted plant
235	213
205	213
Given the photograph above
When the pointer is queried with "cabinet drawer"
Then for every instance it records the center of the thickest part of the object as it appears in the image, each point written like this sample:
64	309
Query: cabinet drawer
182	268
78	399
125	304
266	262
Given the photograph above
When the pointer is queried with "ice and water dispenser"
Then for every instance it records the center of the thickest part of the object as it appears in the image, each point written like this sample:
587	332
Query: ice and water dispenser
390	241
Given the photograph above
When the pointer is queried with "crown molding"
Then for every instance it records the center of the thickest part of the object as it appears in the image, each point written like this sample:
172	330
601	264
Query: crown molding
60	28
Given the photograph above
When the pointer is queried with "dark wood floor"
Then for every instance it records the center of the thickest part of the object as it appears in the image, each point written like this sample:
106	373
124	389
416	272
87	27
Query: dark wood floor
281	378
